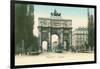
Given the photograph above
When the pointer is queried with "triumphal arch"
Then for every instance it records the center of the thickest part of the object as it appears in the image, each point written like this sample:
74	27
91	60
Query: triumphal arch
55	24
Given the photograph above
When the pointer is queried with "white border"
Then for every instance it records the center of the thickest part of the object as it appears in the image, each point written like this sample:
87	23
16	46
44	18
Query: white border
5	34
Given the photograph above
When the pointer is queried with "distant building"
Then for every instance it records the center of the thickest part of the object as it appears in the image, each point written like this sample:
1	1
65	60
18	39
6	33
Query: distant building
80	38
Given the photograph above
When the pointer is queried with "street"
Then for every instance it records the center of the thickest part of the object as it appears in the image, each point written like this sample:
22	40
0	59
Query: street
46	58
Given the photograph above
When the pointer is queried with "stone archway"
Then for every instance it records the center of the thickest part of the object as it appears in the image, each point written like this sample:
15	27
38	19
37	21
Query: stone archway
65	45
44	46
54	42
55	25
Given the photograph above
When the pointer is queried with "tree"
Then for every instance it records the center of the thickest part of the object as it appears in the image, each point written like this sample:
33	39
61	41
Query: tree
20	15
24	21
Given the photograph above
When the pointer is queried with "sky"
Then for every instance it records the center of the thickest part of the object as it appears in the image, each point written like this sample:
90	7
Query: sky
78	15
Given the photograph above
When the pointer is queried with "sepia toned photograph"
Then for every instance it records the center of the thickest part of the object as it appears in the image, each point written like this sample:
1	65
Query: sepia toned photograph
52	34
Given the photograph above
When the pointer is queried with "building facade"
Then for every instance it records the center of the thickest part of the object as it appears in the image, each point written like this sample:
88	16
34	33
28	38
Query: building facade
80	39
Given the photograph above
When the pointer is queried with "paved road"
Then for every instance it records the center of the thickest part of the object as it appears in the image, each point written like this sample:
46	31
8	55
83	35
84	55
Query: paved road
46	58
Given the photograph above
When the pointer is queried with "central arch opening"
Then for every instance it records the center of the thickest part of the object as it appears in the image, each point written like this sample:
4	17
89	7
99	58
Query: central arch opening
54	42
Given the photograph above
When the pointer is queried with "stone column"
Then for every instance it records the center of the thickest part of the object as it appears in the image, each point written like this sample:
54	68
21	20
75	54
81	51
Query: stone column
40	46
61	40
70	39
49	41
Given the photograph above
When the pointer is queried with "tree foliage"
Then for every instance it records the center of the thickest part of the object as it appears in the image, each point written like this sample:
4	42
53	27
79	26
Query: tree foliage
24	21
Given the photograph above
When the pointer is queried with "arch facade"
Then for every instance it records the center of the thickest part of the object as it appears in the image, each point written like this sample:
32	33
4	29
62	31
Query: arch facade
55	25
